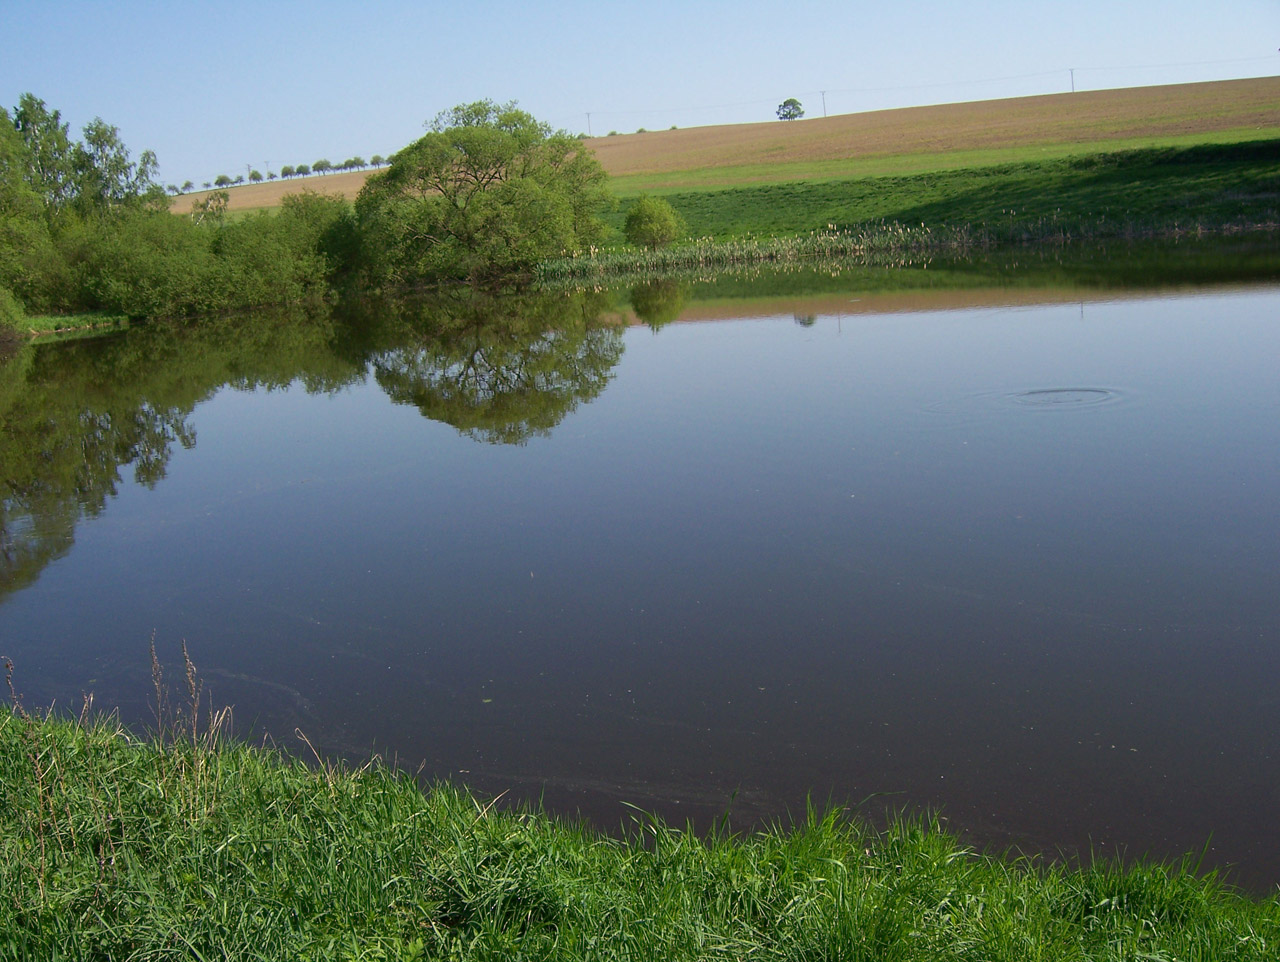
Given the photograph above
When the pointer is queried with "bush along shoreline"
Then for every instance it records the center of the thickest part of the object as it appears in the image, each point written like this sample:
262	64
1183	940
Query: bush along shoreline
191	845
85	231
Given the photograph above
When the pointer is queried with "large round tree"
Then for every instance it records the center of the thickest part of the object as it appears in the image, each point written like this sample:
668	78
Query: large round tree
484	196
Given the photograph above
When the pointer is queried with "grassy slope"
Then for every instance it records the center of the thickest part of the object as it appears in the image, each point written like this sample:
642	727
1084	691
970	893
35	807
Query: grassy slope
114	849
1151	187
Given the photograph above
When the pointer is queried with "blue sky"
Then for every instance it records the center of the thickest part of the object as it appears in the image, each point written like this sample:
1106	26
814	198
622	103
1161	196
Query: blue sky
213	87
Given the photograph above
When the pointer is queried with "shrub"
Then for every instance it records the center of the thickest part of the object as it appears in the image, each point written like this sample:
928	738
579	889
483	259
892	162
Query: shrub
653	223
147	265
11	313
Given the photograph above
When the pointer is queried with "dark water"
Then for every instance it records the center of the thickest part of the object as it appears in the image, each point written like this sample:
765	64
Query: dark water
1007	552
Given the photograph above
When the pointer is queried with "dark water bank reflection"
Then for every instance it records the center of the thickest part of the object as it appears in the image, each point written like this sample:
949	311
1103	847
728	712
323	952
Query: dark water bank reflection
1012	559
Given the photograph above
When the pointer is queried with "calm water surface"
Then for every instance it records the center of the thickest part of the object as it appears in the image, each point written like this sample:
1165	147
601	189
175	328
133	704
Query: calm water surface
1014	561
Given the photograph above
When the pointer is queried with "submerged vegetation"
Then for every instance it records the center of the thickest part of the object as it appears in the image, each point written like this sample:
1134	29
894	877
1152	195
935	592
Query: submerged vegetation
189	845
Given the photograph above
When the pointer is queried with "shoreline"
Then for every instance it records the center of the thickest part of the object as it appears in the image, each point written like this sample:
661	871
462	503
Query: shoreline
192	842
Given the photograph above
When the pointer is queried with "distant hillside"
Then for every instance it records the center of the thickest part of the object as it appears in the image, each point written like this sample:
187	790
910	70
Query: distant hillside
884	141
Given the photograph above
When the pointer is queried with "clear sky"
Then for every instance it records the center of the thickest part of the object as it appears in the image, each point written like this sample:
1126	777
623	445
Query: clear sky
213	87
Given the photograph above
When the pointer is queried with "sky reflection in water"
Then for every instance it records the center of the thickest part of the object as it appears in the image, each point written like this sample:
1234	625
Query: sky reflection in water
1015	561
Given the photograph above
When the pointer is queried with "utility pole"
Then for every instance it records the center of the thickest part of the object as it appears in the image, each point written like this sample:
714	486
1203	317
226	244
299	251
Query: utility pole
824	102
1073	79
588	123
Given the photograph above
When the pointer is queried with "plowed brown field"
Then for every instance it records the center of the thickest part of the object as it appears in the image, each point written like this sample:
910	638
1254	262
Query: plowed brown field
987	126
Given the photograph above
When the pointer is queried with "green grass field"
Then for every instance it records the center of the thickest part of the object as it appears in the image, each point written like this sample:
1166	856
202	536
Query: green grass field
1165	192
1147	189
193	848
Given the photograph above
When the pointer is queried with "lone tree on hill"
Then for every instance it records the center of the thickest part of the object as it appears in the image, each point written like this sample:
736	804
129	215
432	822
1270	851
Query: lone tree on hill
790	109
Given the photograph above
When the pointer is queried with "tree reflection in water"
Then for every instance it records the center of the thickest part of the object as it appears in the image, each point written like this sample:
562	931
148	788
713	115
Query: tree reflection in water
658	302
502	369
75	415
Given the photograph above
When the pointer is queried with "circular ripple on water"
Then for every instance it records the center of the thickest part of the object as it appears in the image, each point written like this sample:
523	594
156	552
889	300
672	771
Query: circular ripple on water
1065	396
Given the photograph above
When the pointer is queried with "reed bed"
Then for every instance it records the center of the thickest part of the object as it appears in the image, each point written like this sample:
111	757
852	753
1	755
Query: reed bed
877	245
189	845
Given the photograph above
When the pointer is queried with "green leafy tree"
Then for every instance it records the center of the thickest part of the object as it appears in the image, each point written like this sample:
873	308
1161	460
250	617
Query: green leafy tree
222	180
188	186
652	222
11	317
302	170
50	155
26	246
322	166
107	177
255	176
286	171
376	160
93	175
324	225
790	109
485	195
211	209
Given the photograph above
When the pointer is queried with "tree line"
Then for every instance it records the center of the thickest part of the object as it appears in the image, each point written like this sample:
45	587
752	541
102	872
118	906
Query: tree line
484	196
85	227
288	171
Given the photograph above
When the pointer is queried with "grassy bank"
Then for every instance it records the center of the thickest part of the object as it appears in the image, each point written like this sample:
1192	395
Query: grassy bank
190	847
1144	188
1168	192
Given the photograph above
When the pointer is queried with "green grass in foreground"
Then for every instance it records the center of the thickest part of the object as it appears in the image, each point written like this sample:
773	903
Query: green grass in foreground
192	848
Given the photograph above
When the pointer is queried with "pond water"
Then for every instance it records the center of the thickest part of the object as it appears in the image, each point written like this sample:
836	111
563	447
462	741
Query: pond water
1009	552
